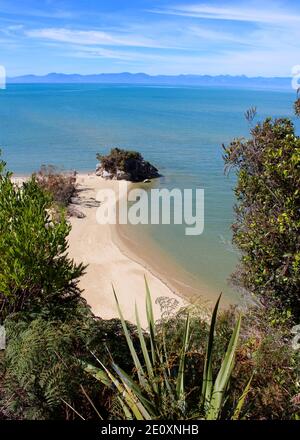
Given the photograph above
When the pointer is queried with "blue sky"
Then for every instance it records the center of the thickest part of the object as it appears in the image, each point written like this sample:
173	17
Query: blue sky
151	36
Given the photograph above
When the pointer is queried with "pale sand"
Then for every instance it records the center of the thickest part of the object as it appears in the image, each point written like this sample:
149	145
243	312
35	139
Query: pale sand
114	260
93	245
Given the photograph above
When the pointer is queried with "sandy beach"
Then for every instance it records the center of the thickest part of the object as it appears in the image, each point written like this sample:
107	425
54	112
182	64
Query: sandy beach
93	244
112	259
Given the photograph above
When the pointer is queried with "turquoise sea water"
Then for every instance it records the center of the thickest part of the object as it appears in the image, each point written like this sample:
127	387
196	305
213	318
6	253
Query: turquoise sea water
178	129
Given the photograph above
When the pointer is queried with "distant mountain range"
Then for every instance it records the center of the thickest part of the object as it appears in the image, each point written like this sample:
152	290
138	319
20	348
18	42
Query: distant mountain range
168	80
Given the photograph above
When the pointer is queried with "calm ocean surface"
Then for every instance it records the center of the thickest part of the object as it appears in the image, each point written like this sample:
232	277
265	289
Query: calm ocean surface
178	129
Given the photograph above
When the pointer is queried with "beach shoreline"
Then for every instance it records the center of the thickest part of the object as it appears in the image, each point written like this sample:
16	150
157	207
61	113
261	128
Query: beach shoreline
113	258
108	263
150	256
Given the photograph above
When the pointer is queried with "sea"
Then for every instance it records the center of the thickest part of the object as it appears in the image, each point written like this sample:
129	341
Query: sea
181	130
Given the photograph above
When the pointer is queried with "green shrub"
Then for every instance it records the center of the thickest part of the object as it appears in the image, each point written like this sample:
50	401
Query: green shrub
42	373
52	333
264	354
35	271
267	226
267	350
159	391
48	324
40	369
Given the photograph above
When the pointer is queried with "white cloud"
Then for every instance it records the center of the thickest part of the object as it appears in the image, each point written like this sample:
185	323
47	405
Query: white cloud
214	36
92	37
92	52
254	14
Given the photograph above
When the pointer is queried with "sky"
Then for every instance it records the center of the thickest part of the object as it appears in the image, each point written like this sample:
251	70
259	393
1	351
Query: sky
255	38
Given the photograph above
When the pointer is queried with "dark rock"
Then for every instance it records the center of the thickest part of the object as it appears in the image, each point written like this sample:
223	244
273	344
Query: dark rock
75	201
73	211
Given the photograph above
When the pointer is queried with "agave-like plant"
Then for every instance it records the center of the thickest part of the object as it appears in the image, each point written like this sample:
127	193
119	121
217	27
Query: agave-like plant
159	390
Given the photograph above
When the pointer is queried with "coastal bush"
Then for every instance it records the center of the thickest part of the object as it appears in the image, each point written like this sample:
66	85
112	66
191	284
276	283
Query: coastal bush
159	390
61	186
264	353
53	340
267	226
41	372
40	368
264	382
266	349
48	324
35	271
39	352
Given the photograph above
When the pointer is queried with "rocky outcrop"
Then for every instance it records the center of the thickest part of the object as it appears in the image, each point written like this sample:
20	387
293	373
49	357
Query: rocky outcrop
73	211
112	175
125	165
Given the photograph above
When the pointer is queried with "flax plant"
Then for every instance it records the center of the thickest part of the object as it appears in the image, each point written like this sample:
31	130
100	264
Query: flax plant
158	389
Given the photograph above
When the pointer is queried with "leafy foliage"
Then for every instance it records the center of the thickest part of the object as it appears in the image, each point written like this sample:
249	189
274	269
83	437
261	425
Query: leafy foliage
36	376
35	271
267	227
42	371
160	392
162	373
266	349
48	324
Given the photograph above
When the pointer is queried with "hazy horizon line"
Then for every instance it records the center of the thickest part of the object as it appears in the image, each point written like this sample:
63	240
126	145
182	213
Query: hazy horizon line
243	75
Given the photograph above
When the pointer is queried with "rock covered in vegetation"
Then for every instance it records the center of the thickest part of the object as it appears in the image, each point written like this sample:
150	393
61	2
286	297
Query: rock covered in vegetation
125	165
